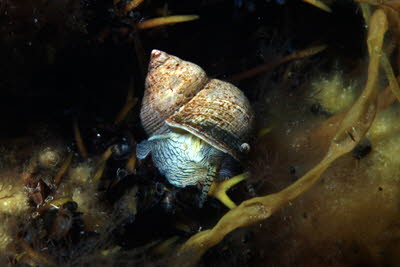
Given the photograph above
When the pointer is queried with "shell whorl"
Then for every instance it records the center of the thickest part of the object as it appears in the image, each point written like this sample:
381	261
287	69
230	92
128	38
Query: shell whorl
220	115
170	84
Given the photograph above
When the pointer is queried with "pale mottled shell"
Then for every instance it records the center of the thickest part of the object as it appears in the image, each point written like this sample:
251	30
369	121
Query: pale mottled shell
220	114
170	84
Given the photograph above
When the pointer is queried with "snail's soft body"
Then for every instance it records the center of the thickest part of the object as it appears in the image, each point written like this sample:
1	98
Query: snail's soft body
183	158
194	123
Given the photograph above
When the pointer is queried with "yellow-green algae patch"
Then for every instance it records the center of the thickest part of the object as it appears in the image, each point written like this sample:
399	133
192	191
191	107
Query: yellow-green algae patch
332	93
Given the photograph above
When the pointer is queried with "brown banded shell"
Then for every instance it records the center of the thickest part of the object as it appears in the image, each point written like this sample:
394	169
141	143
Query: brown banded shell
170	84
219	114
179	95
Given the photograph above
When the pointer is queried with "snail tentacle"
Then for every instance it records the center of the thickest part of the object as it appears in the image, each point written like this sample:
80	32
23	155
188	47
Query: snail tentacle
143	149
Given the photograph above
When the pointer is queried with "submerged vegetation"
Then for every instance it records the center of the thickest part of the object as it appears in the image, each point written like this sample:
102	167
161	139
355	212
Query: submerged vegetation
320	184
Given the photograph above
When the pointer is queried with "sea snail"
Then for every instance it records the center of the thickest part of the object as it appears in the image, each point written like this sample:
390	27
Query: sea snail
195	123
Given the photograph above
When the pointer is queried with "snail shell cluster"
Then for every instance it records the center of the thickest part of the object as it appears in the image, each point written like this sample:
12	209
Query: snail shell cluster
194	122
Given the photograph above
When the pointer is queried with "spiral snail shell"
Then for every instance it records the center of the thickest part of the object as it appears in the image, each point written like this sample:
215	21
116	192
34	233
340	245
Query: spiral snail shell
194	122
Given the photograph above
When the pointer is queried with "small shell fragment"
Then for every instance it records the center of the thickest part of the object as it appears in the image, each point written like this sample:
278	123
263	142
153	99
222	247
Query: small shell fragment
49	158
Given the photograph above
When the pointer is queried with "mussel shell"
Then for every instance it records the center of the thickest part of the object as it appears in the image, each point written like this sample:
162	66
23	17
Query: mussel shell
170	84
220	114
